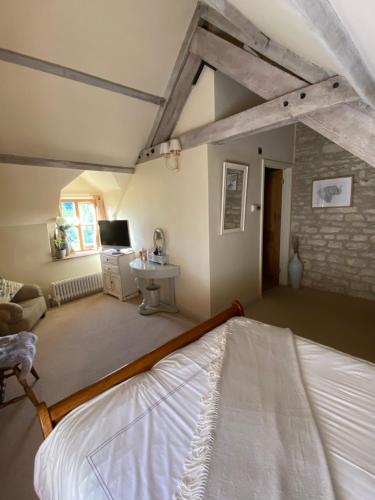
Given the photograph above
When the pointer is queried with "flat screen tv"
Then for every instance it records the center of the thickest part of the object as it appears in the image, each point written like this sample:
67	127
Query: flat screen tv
114	233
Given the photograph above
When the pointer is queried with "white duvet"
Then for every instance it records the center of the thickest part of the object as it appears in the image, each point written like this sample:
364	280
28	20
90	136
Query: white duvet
132	442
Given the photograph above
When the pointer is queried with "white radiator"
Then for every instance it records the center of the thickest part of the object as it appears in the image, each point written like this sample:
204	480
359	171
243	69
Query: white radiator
73	288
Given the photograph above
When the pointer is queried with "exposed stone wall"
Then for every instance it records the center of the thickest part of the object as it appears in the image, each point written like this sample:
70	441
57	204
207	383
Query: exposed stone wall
337	245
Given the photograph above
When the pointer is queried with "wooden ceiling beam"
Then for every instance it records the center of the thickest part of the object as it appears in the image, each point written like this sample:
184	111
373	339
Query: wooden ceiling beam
52	163
351	126
245	68
273	114
178	98
175	76
229	19
329	29
276	113
78	76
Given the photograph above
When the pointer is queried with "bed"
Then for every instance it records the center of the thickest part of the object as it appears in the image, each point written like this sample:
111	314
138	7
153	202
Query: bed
156	428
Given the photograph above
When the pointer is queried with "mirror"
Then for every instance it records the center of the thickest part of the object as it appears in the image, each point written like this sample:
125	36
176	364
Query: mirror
159	242
233	201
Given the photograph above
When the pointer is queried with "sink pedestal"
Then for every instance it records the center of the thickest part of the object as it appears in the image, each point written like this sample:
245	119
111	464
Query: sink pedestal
145	271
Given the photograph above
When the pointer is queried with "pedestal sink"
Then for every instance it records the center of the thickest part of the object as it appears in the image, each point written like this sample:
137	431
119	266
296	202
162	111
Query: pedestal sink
145	271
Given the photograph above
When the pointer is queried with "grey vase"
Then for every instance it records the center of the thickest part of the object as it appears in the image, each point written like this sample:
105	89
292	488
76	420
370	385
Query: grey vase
295	270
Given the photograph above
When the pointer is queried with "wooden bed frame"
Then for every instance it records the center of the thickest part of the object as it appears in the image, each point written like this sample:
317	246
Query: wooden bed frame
50	416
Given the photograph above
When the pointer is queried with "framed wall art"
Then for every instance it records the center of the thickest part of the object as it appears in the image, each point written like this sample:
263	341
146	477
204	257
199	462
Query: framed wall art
233	201
332	192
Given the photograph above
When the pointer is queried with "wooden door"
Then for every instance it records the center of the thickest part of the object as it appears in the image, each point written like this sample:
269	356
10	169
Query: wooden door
273	185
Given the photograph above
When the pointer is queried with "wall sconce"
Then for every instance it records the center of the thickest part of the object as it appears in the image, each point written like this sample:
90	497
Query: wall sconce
170	151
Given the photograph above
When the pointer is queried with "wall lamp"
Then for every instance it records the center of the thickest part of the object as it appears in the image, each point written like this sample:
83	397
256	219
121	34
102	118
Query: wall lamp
170	151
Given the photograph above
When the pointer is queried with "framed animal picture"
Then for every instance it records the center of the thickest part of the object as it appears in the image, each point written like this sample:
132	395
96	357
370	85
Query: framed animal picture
332	192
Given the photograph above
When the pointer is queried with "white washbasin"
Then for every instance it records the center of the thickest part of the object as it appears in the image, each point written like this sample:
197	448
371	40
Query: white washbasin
151	270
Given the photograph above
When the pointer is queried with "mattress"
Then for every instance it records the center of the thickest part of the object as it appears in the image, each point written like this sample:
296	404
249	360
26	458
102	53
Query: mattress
132	441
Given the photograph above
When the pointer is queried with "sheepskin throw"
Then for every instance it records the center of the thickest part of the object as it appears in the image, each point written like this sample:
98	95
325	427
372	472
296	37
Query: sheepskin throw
18	349
8	289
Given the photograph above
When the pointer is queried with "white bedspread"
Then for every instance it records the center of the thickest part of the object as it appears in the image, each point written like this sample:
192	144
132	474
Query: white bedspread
132	442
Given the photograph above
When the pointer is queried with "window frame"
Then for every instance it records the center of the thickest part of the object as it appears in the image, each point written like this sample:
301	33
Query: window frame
76	201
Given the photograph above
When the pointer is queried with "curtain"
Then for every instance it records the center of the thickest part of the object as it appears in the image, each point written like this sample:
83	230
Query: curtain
100	208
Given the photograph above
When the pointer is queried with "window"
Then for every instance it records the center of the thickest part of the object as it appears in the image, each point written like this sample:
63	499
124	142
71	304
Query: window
81	215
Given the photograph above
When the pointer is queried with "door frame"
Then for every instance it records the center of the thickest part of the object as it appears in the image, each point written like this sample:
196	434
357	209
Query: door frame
286	204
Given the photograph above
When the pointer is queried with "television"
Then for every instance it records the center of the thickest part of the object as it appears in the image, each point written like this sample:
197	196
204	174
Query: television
114	233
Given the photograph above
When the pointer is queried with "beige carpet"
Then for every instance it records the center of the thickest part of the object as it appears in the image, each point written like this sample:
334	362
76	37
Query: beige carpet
344	323
86	339
78	343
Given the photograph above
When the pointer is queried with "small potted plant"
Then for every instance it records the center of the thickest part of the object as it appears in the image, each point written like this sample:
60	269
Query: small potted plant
60	250
62	227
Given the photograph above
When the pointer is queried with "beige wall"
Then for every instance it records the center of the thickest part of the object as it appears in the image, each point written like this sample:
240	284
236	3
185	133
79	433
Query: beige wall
25	256
79	186
28	201
231	97
199	109
29	195
234	257
178	203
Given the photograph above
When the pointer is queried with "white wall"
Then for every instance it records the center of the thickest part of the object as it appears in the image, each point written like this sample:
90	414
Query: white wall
178	203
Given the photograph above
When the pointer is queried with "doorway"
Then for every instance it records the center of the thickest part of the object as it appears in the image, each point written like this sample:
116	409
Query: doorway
272	211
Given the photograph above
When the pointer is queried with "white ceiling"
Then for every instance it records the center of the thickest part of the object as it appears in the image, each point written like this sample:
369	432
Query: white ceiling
281	22
358	17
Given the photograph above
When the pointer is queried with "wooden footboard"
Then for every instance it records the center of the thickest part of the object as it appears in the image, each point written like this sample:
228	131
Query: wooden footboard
50	416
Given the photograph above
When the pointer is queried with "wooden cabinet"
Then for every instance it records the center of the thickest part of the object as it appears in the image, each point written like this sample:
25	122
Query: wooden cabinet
117	278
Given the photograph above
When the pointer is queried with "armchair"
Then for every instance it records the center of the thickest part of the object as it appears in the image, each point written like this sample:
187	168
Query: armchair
24	311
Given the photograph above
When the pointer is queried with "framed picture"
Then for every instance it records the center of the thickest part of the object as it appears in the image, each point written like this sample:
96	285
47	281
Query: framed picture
332	192
233	201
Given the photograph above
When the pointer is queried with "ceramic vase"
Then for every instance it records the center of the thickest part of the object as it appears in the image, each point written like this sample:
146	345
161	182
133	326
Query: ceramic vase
295	269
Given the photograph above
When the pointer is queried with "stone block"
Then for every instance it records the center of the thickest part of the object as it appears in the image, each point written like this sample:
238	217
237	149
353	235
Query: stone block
359	286
330	229
332	217
354	245
318	243
354	217
360	237
334	244
335	258
356	262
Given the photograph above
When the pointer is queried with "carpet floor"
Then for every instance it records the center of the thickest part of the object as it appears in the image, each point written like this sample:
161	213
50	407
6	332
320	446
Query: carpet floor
77	343
344	323
86	339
